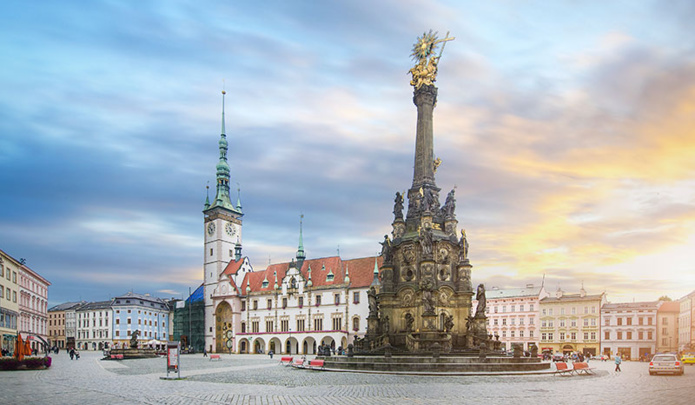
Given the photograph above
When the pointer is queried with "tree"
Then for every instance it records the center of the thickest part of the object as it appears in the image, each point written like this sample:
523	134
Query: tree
665	298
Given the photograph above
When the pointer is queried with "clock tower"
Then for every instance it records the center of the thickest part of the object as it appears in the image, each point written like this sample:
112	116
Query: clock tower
222	229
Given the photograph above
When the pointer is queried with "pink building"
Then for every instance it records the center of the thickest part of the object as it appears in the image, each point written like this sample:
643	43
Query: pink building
513	315
33	306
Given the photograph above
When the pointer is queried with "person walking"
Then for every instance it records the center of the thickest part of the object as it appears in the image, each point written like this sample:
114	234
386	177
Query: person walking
618	360
205	352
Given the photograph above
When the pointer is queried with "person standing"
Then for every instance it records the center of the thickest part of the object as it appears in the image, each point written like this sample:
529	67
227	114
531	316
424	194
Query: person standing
205	352
618	360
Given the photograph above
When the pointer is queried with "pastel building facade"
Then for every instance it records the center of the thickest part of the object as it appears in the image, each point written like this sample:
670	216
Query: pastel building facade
9	307
667	330
33	306
57	328
571	322
686	330
513	315
142	312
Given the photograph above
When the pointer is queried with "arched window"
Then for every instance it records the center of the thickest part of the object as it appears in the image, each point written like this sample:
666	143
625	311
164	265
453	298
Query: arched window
356	323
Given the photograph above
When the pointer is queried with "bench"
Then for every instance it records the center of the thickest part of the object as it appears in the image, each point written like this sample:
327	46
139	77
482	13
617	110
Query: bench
316	364
286	360
562	368
116	357
580	367
215	357
299	363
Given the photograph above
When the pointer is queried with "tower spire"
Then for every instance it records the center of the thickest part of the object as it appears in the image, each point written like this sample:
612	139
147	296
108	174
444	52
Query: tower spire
300	250
222	194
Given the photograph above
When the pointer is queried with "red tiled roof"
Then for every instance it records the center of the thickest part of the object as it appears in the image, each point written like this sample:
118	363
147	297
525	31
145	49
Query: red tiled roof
361	273
361	270
233	266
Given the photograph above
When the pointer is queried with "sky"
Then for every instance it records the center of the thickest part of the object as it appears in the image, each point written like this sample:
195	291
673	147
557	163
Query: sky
567	128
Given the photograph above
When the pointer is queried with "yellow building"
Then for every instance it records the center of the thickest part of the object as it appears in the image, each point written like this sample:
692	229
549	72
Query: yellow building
9	307
571	322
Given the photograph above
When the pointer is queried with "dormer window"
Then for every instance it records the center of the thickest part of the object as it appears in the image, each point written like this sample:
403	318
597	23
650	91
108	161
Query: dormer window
265	283
329	276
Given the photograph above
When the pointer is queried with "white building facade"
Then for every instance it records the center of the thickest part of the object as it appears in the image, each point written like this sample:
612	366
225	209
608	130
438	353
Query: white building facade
629	329
93	329
292	308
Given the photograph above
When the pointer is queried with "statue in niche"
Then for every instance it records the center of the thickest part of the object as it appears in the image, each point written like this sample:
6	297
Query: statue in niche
428	199
449	323
427	299
449	205
398	206
463	245
385	325
426	241
386	251
373	305
409	320
482	301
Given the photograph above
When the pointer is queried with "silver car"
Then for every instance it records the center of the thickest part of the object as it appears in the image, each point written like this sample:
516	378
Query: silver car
666	363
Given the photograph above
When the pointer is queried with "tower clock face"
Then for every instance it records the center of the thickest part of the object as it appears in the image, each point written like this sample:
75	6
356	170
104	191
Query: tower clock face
211	228
230	229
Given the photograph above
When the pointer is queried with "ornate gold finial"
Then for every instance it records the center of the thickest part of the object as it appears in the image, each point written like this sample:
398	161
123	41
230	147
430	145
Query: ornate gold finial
425	70
436	163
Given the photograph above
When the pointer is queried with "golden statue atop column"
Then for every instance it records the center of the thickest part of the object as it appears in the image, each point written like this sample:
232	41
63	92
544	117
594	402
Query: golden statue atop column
425	70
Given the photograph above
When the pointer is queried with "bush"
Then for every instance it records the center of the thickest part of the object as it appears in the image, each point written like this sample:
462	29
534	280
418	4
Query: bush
9	364
29	363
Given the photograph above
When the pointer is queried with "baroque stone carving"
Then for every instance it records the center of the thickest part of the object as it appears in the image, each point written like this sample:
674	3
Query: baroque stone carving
444	272
373	303
398	206
407	297
482	301
386	249
409	320
463	246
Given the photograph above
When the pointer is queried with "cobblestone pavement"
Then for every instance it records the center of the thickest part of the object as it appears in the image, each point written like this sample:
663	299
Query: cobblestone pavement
249	379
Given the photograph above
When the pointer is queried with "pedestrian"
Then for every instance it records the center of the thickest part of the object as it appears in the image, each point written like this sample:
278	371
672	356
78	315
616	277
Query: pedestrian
270	353
72	353
205	352
618	360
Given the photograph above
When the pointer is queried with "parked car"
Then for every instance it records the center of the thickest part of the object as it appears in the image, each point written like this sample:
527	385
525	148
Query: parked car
558	357
666	363
688	358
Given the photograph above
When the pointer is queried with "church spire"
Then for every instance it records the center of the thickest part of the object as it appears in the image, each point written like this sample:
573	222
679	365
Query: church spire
300	250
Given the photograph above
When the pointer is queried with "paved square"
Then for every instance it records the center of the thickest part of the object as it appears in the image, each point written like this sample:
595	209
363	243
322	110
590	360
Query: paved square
256	379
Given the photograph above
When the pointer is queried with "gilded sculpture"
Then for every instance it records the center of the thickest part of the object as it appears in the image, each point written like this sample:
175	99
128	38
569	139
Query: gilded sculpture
425	70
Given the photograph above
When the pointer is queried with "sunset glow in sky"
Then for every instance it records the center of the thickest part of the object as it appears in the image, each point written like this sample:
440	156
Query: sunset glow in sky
567	128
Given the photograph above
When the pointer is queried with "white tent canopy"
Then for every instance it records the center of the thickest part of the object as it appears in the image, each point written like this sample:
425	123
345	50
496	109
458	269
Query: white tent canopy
155	342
